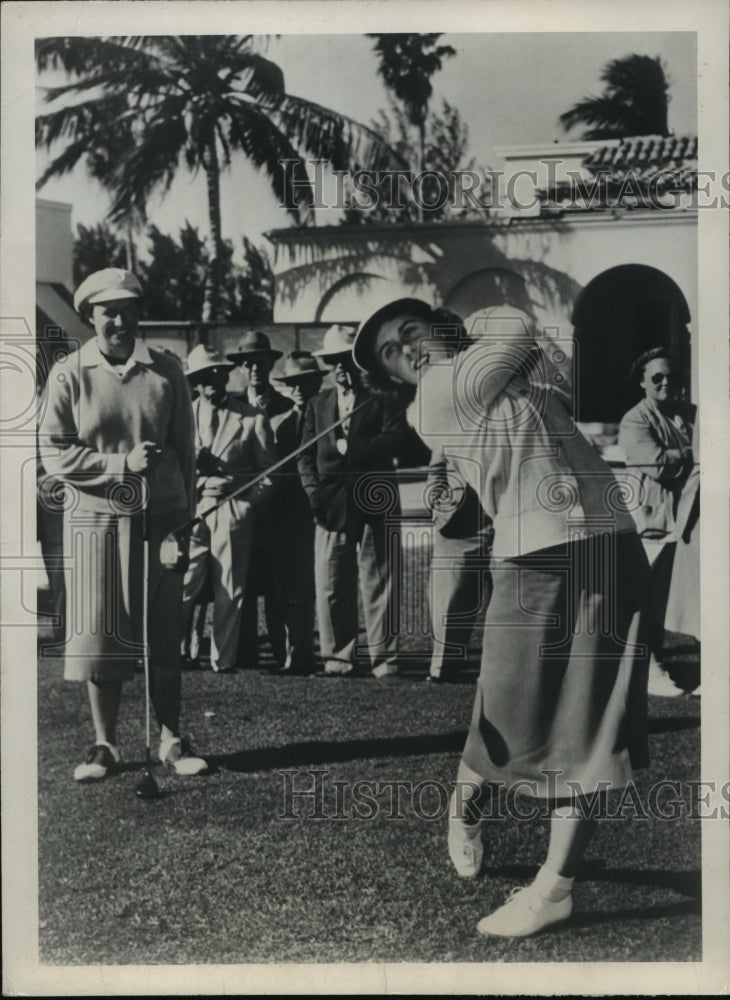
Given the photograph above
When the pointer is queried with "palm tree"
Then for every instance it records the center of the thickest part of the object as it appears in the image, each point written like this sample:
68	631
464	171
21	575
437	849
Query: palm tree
138	107
634	101
407	63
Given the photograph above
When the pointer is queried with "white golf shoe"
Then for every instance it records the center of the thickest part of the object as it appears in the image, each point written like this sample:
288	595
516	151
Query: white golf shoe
100	760
525	912
178	755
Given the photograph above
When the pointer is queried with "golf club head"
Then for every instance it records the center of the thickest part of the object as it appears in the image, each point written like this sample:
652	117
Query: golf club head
147	788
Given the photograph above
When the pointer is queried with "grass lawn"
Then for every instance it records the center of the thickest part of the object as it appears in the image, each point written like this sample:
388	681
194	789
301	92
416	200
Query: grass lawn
214	872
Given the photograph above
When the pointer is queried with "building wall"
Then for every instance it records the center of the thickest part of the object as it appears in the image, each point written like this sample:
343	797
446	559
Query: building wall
54	242
340	274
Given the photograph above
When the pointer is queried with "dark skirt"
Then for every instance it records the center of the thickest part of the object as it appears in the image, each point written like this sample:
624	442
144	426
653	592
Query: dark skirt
561	695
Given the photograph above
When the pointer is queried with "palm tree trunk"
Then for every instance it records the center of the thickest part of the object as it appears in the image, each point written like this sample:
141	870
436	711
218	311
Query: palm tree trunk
211	294
129	248
421	157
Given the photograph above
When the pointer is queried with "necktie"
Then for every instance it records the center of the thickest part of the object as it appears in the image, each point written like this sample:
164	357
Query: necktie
212	427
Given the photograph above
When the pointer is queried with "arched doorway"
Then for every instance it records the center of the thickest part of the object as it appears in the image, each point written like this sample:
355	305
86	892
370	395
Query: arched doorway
618	315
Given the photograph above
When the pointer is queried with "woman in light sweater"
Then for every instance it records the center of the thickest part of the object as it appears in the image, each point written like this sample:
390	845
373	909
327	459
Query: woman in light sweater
560	707
117	430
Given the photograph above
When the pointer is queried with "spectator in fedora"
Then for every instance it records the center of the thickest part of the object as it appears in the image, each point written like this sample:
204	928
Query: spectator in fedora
292	538
256	358
234	443
350	532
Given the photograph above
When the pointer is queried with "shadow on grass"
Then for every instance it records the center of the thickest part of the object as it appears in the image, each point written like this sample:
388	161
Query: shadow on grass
673	725
687	883
335	752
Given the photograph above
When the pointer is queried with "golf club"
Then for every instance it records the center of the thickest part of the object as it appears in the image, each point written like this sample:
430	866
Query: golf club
174	553
147	788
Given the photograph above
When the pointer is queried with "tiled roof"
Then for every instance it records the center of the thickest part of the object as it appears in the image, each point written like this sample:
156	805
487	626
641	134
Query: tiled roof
651	164
643	151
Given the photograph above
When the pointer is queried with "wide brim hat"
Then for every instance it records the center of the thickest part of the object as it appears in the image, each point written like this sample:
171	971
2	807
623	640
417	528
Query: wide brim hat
297	366
107	285
251	344
337	340
362	348
203	358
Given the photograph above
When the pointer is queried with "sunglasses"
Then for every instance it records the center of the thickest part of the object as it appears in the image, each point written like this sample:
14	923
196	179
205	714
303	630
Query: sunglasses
658	377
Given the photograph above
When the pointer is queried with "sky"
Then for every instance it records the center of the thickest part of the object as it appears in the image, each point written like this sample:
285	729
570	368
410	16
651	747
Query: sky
510	90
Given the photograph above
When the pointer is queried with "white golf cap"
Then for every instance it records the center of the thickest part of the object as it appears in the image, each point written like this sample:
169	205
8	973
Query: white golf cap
106	286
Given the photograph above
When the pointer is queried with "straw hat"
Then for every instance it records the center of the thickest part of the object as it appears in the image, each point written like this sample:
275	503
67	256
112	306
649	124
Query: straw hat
202	358
337	340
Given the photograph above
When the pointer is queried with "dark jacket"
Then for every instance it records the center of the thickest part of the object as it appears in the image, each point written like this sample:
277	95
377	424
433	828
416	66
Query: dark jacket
276	403
289	500
359	486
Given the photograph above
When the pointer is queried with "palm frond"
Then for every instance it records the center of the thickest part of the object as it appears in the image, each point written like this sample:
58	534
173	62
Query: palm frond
336	137
268	147
150	165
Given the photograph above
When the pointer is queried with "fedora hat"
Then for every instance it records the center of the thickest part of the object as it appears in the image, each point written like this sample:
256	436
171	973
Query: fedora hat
362	349
107	285
253	342
299	365
337	340
202	358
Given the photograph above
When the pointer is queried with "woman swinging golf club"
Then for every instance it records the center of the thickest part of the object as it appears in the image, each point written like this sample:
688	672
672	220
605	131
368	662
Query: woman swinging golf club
560	707
118	431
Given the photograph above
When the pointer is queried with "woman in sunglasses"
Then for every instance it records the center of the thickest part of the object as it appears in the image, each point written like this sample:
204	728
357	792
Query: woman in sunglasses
655	436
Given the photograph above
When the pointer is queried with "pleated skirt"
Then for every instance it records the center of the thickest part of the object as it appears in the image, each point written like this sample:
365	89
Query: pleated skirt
104	574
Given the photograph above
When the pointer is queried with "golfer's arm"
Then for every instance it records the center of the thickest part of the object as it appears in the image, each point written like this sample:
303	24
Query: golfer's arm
62	452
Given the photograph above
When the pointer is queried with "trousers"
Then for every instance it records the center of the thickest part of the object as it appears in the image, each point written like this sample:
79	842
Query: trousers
221	546
341	560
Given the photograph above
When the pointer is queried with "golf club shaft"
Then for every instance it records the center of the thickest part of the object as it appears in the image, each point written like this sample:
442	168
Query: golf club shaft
145	625
272	468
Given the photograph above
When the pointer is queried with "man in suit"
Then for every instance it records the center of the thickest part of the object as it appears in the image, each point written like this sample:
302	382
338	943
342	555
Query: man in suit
234	443
348	477
291	544
255	356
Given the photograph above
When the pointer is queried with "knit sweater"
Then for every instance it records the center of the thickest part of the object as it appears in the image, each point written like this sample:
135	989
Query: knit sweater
539	480
93	418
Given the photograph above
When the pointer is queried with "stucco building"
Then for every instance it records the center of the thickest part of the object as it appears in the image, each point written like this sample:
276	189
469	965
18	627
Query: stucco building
598	240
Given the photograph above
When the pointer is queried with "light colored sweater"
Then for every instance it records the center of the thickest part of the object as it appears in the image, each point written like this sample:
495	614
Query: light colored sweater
539	480
93	418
